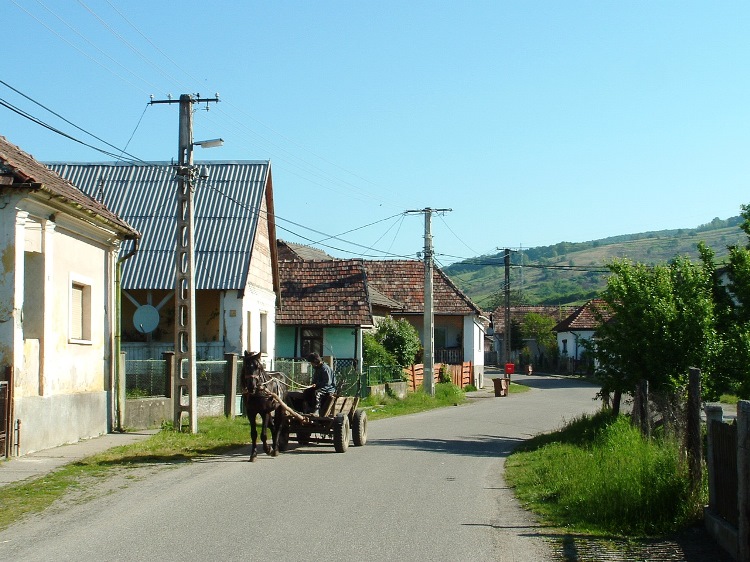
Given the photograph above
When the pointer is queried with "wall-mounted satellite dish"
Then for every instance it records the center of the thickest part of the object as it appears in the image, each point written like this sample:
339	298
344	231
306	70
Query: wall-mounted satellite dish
146	318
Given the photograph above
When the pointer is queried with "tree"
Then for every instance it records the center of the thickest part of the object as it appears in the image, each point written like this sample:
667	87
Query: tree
400	339
373	352
662	324
732	305
538	327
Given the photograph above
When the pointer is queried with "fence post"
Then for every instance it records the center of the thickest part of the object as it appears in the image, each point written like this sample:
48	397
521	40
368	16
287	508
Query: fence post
714	413
743	479
693	434
168	357
230	385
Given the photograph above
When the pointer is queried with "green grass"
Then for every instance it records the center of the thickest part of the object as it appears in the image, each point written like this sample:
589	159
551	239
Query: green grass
378	407
599	476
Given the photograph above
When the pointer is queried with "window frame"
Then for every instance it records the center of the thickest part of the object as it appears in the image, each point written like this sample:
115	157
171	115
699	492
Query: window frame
79	310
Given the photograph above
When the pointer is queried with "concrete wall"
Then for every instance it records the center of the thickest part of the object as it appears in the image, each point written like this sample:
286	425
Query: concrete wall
49	421
149	413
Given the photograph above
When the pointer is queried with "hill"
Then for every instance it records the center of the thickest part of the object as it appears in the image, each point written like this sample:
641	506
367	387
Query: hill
571	273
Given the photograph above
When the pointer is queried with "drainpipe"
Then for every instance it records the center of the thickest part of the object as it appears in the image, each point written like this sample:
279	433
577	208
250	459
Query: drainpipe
118	335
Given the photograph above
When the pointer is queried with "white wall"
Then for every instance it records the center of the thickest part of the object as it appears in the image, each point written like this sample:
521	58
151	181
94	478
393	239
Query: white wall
62	383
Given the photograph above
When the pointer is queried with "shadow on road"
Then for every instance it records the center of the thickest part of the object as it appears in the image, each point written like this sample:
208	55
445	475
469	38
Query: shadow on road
549	382
479	446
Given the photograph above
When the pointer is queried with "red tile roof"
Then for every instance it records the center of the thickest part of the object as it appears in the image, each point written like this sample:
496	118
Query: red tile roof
585	317
20	170
403	281
324	293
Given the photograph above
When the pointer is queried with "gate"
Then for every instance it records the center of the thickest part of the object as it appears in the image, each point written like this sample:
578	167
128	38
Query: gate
724	442
4	418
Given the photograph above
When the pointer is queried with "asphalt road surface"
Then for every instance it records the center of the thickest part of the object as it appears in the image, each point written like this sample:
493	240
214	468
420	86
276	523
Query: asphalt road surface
427	486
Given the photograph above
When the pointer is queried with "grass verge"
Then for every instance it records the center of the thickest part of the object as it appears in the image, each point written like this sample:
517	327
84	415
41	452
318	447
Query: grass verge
379	407
598	476
215	436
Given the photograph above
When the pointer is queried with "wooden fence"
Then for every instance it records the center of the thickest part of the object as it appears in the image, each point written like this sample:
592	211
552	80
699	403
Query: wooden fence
724	441
727	516
461	375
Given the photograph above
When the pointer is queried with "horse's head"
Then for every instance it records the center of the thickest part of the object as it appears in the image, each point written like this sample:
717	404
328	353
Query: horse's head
252	372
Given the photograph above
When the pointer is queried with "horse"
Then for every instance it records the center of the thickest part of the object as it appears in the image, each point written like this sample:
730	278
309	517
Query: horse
257	386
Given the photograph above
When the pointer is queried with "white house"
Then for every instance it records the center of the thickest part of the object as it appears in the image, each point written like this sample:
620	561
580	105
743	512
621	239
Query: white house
59	251
236	272
580	326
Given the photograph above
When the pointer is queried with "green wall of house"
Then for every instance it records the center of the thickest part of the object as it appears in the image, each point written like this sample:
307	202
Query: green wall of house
338	342
285	341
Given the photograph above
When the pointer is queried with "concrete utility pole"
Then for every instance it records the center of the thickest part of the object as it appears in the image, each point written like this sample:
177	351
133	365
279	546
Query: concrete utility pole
184	395
428	326
506	335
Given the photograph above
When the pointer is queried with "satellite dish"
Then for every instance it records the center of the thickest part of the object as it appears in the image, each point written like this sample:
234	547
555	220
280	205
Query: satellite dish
146	319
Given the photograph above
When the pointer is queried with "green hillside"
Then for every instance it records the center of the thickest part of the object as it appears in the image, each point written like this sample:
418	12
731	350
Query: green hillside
571	273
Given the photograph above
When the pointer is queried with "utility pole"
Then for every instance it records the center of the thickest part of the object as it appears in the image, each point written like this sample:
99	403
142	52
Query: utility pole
428	325
184	392
506	335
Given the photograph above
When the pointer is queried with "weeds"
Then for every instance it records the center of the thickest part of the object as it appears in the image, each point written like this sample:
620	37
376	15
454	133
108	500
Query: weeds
599	475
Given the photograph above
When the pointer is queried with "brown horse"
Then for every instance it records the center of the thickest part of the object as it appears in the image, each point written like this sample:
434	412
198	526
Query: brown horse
257	386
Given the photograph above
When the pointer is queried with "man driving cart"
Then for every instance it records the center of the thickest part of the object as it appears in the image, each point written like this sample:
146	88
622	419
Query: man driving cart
323	384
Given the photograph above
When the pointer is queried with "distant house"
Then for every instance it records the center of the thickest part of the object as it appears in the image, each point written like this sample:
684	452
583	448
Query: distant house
325	309
60	251
236	274
580	325
459	323
328	303
518	314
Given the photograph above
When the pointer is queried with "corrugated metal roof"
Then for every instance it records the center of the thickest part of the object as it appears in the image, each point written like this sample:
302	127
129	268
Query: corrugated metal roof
226	210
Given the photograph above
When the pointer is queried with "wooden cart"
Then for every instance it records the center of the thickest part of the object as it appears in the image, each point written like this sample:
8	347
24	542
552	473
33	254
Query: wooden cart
339	417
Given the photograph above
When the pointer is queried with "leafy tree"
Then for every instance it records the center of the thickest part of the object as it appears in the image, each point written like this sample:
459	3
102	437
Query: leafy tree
732	304
663	324
400	339
374	353
516	336
539	328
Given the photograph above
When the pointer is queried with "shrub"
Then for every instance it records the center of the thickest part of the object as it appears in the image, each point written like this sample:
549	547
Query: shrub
374	353
400	339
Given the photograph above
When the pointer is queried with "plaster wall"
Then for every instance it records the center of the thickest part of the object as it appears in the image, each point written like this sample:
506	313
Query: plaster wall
76	416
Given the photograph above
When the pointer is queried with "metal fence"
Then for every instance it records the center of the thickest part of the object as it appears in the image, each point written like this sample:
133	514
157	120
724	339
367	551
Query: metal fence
148	377
300	371
145	377
381	374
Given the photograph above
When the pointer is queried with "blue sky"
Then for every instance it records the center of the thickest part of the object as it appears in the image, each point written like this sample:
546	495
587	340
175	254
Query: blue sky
535	122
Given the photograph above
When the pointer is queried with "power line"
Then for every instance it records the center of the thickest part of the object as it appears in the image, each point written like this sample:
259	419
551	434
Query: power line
122	150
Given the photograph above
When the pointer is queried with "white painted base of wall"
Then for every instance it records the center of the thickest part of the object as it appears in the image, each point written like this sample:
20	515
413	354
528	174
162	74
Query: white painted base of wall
50	421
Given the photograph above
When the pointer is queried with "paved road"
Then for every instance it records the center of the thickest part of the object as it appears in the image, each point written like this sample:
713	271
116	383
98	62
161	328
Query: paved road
425	487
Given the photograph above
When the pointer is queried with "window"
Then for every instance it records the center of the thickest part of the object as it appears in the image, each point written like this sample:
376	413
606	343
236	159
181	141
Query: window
440	337
263	332
80	311
311	341
565	347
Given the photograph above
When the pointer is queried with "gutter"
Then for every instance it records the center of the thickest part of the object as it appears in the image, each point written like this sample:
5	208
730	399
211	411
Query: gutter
119	386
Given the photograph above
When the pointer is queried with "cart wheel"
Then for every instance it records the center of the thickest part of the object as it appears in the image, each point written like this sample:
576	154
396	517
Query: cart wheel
359	428
341	433
284	439
303	437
